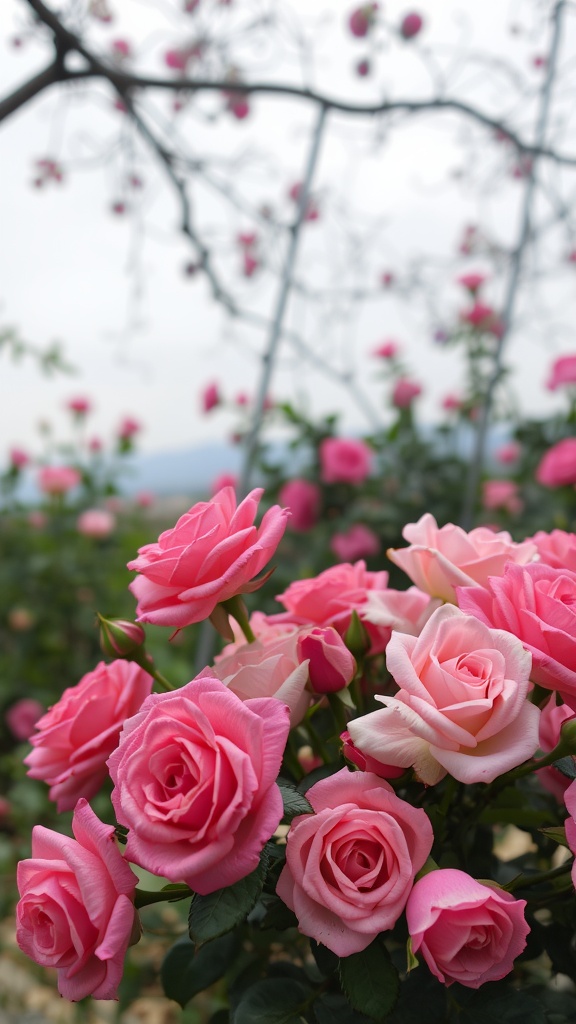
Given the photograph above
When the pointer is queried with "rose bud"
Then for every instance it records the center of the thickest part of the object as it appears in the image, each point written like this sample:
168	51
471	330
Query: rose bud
120	638
332	666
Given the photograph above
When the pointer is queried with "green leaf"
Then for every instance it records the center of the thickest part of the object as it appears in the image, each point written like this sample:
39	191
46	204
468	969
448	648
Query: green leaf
333	1008
370	981
497	1004
294	802
273	1001
557	834
566	765
185	972
219	912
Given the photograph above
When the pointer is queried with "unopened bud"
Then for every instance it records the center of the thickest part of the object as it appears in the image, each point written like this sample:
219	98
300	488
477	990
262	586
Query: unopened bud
331	666
356	637
120	638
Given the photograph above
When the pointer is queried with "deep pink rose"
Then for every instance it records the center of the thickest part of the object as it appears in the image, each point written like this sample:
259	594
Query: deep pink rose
557	467
58	479
557	549
268	667
80	405
570	823
77	734
210	397
366	763
466	932
76	910
96	522
331	665
537	604
386	349
552	718
358	542
22	716
472	281
440	559
330	598
361	20
303	498
344	460
351	865
404	392
195	782
212	554
461	707
411	25
563	372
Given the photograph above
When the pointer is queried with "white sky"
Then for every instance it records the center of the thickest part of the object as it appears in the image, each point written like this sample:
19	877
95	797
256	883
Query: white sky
146	339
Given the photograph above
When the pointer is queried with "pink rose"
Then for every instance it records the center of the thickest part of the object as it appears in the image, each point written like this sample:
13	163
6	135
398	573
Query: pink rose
366	763
351	865
404	392
211	555
303	499
210	397
344	461
570	823
22	716
552	718
77	734
557	549
19	458
501	494
507	453
362	20
563	372
411	25
96	522
128	428
386	349
466	932
330	598
557	466
461	707
79	405
58	479
76	911
438	560
224	480
537	604
472	281
195	782
331	666
358	542
268	667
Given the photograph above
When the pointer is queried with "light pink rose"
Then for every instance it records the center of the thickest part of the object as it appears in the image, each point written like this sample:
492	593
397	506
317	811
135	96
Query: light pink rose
358	542
461	707
537	604
344	460
563	372
304	499
76	911
351	865
507	453
404	392
22	716
58	479
440	559
96	522
330	598
552	718
557	467
501	494
77	734
128	428
366	763
268	667
331	666
212	554
557	549
570	823
195	782
19	458
466	931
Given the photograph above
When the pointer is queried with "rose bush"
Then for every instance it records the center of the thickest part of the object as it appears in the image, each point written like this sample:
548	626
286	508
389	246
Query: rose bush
350	866
76	910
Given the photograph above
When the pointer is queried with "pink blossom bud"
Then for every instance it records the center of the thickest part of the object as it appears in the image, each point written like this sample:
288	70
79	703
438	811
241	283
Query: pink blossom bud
210	397
18	458
79	405
120	638
95	522
22	717
386	350
362	20
411	25
332	666
404	393
363	68
128	428
365	762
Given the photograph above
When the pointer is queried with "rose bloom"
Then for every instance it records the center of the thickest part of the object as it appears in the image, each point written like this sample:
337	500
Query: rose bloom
344	461
76	911
552	718
411	25
350	866
304	499
570	823
224	480
466	931
330	598
128	427
507	453
331	666
358	542
461	707
19	458
22	716
81	730
268	667
557	549
501	494
79	405
95	522
212	554
386	350
440	559
537	604
472	281
210	397
366	763
557	467
361	20
404	393
563	372
195	782
58	479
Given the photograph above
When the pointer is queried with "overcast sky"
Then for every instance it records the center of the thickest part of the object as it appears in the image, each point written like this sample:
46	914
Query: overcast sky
146	339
